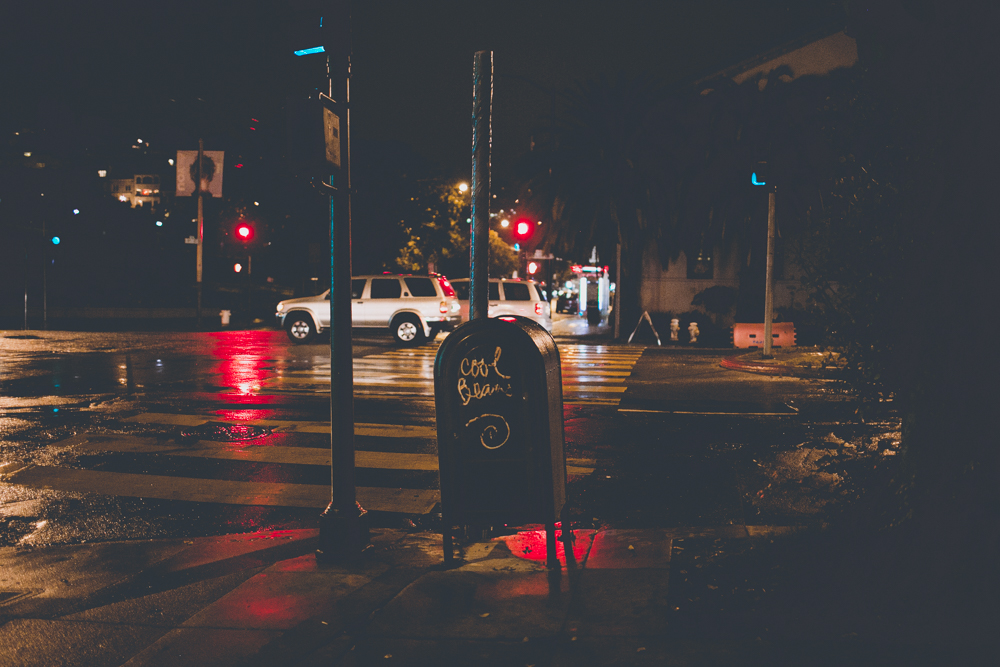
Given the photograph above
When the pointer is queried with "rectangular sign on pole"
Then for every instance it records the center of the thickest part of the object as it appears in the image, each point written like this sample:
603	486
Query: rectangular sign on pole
211	172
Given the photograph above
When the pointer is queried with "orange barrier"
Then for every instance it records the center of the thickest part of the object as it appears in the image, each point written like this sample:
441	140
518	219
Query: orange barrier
752	335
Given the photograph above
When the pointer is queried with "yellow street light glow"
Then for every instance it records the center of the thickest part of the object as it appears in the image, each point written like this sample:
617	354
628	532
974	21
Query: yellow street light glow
463	187
505	222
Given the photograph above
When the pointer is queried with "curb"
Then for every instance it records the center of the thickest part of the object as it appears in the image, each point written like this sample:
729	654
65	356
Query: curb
738	363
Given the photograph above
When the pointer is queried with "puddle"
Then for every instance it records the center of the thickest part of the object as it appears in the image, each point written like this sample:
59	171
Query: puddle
226	432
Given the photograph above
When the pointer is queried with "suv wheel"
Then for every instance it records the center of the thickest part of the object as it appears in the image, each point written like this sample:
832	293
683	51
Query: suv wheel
406	329
299	327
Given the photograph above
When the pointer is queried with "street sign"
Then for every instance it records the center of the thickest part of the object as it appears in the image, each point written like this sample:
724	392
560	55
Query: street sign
211	173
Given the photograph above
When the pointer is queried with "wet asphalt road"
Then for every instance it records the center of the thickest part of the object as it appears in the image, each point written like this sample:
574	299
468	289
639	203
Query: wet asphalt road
143	435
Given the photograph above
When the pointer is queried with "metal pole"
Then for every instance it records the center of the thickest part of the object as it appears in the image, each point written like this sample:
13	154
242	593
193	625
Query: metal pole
341	534
45	291
769	287
201	230
618	291
482	105
250	287
26	290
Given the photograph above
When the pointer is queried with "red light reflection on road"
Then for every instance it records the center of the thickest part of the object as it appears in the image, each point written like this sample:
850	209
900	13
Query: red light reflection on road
244	415
530	545
244	364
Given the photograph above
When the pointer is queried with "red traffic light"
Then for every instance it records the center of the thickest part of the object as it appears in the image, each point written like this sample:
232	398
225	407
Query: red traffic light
532	268
244	231
523	229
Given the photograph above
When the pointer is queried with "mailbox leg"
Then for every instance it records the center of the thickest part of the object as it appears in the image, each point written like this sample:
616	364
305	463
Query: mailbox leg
449	554
567	538
550	545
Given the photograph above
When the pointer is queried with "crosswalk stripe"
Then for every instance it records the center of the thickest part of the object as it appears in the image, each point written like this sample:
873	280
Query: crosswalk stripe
269	454
378	430
586	370
228	492
596	388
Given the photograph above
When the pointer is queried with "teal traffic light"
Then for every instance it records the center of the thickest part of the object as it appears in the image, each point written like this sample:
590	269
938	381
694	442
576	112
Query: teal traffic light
760	175
56	240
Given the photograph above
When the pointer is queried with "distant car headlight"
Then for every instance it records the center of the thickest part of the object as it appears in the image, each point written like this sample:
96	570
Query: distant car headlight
281	307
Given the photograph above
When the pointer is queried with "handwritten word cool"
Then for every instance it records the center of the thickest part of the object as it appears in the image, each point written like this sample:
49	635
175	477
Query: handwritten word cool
483	370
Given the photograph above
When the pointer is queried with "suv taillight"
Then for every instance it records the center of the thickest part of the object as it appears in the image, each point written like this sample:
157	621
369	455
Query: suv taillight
446	287
443	308
539	308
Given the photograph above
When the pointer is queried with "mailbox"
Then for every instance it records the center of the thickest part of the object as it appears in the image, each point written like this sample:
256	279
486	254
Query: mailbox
498	392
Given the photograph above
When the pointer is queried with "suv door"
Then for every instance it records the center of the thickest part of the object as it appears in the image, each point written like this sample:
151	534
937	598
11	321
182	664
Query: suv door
383	300
358	307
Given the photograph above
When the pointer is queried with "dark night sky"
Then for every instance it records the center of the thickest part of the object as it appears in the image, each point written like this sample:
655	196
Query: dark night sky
104	73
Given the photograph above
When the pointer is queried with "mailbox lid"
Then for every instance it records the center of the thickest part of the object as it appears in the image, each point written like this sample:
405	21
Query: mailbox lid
498	394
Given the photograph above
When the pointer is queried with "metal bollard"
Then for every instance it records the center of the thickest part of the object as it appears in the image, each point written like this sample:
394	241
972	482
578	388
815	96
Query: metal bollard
693	330
225	315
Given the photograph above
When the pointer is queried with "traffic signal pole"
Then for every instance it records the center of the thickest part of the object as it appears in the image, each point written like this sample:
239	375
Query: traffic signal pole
343	533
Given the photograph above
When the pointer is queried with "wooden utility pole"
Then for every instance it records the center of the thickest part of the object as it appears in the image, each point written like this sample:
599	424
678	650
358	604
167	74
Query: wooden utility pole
769	278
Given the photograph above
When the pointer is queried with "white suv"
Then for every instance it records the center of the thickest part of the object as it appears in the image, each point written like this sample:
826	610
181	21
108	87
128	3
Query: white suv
411	307
510	297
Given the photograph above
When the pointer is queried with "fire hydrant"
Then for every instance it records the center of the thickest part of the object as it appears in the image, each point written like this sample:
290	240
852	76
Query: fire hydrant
675	329
225	314
693	330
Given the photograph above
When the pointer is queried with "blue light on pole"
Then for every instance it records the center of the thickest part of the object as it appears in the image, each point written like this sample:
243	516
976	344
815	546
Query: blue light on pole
760	175
56	240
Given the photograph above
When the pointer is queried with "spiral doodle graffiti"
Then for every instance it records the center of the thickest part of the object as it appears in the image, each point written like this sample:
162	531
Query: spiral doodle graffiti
494	431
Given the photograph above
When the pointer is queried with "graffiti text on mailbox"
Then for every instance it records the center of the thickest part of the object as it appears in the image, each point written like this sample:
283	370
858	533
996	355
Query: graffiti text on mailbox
494	430
482	370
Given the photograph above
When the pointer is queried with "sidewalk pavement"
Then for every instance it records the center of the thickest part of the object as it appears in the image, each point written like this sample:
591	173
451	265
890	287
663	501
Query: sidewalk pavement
264	599
810	362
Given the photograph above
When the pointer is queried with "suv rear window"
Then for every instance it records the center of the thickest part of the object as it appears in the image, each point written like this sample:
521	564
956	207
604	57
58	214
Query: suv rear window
420	286
516	292
462	290
385	288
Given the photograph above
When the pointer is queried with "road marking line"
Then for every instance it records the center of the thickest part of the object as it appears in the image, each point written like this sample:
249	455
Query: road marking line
596	388
707	413
380	430
228	492
269	454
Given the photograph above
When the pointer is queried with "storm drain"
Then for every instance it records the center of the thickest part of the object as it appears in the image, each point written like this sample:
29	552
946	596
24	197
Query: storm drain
220	432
